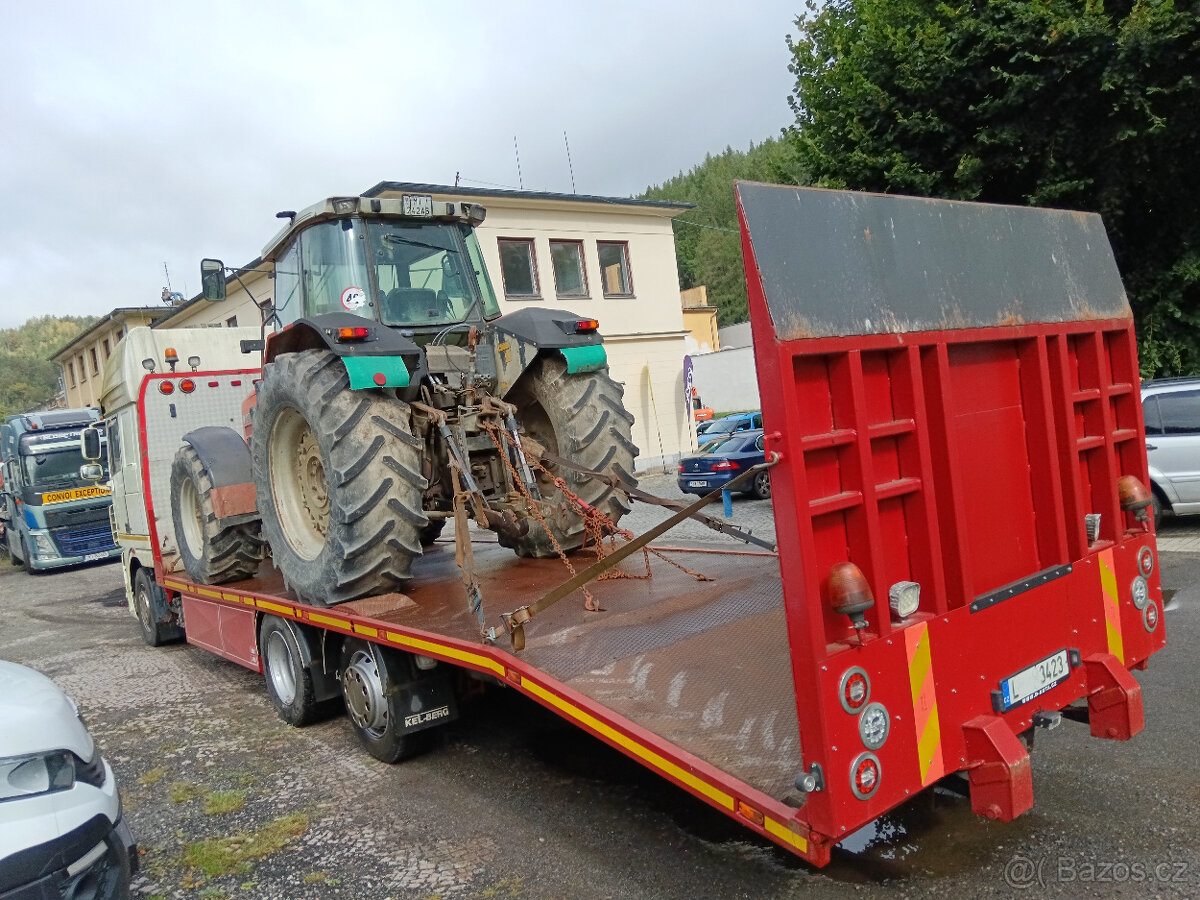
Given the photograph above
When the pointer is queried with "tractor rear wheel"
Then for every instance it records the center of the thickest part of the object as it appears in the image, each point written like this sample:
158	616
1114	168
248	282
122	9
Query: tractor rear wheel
581	418
212	552
338	477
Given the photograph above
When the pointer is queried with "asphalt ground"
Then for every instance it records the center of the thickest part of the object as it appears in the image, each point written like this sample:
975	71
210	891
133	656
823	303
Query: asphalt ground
512	802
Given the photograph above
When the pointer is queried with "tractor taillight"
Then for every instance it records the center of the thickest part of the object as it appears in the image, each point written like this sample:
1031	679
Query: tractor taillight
355	333
584	326
864	775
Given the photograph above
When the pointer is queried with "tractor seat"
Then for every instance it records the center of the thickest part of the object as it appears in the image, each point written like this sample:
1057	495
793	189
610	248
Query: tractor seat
406	304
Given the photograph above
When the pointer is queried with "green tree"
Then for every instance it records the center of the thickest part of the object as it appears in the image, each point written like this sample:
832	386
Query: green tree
27	377
708	248
1076	104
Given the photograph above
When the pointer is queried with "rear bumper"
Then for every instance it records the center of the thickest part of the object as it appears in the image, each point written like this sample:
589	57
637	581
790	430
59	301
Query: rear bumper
700	483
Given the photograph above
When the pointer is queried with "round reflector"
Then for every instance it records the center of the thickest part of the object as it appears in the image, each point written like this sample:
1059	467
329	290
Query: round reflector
1140	591
864	775
1146	561
187	385
166	387
854	689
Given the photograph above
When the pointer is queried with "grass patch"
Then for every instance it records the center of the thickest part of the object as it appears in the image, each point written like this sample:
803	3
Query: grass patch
224	802
315	877
154	776
230	855
183	791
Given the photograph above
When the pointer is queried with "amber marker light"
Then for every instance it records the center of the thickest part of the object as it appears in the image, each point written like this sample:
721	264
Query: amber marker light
1133	496
849	593
355	333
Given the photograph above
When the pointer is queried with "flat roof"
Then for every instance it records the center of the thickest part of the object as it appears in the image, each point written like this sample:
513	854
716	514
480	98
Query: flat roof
461	191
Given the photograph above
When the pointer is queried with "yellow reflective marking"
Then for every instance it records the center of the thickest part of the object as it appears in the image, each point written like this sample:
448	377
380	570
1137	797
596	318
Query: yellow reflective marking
918	667
639	750
1112	609
366	629
173	584
453	652
275	607
928	743
134	538
781	831
204	592
329	620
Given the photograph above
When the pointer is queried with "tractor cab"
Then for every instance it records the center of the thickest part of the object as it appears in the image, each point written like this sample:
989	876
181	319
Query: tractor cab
410	263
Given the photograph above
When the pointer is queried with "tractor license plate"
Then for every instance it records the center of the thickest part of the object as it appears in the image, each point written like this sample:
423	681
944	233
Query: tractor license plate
697	484
1035	680
417	204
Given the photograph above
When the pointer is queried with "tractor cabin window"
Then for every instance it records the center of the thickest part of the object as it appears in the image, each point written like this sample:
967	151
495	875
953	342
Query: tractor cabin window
614	268
518	268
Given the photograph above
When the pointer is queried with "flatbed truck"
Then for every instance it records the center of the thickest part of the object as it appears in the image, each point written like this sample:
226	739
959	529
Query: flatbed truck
964	554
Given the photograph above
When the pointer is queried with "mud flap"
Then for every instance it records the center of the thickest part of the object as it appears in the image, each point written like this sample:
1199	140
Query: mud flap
425	703
1001	775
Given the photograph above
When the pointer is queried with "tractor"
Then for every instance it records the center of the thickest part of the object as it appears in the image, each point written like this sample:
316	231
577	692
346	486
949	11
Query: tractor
393	390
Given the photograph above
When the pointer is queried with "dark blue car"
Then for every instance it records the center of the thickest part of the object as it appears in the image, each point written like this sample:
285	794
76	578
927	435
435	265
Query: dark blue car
706	431
722	459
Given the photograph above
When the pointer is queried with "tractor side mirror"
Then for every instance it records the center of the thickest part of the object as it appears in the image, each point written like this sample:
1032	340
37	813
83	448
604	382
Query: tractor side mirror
212	279
89	444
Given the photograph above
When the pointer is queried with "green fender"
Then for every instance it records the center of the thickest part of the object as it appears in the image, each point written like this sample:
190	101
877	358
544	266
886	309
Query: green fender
587	358
375	371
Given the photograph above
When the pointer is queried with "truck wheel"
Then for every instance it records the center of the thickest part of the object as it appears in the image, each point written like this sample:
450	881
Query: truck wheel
368	688
212	553
289	681
581	418
338	479
154	633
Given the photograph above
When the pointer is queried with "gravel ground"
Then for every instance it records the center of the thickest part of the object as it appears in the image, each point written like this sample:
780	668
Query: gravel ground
513	802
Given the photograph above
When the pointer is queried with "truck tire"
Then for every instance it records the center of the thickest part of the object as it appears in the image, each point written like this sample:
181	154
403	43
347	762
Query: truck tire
338	479
582	418
368	674
289	681
154	632
212	552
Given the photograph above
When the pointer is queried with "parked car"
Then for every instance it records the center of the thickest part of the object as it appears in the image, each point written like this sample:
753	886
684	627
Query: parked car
722	459
1172	412
61	829
729	425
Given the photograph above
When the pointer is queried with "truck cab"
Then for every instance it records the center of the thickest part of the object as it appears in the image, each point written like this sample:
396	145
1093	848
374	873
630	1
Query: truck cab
53	515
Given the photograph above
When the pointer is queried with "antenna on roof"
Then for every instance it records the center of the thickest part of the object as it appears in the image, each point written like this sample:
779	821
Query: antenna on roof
570	167
517	152
169	296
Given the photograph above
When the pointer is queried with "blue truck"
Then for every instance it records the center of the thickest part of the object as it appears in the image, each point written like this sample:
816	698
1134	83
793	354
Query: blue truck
51	515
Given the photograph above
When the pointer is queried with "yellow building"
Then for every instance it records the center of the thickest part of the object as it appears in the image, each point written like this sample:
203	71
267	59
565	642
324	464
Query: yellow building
82	361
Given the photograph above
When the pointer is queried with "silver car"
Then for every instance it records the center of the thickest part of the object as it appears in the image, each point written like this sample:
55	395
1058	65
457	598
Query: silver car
1172	411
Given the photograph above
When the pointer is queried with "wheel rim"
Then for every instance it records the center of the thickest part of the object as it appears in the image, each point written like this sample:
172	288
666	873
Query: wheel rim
762	485
143	609
190	521
280	665
363	689
298	485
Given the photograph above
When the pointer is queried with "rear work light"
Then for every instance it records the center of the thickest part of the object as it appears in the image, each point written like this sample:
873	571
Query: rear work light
356	333
724	465
166	387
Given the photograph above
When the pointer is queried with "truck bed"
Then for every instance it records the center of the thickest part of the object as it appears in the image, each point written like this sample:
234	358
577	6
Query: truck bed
701	665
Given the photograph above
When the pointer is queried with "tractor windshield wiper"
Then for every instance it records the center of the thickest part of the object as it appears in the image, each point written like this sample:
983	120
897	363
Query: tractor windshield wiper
393	238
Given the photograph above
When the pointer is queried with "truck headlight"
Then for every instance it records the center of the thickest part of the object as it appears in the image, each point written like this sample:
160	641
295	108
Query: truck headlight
46	773
44	546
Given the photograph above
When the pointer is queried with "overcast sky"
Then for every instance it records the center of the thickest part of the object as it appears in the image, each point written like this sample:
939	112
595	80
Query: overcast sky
133	134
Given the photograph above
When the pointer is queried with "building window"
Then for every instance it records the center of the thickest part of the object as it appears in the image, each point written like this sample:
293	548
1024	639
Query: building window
71	372
569	278
95	361
106	348
614	268
231	322
518	267
120	333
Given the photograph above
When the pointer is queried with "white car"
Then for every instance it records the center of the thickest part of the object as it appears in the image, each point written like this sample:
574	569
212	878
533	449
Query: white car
61	829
